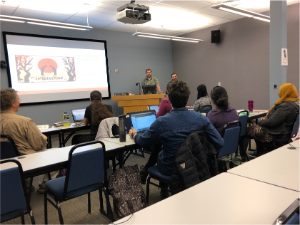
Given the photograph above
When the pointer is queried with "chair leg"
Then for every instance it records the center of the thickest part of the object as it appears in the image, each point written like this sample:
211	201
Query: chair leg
109	212
89	202
114	164
29	191
45	208
101	200
31	217
147	190
59	213
22	219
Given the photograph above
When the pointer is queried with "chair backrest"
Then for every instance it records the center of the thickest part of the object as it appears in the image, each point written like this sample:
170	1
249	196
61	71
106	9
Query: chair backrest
85	169
231	138
206	109
296	127
14	199
8	148
243	119
105	128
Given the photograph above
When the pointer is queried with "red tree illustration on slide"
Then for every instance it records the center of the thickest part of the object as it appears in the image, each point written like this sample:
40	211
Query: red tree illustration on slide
23	62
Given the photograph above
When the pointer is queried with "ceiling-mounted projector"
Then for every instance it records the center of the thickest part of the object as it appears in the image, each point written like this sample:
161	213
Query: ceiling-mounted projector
133	13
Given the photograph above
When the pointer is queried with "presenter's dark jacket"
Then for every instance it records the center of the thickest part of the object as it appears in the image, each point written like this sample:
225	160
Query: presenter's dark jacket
173	128
88	115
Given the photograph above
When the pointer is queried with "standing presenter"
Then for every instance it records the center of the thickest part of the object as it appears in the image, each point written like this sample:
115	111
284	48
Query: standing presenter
150	80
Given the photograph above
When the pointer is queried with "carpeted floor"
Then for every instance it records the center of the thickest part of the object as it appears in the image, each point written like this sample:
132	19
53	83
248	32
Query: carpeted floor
75	211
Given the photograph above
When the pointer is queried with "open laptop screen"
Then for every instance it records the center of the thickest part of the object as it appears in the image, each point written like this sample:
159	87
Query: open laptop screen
78	114
142	121
153	107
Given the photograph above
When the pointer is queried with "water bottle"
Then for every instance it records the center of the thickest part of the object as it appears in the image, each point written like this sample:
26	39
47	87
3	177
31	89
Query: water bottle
66	120
250	105
122	128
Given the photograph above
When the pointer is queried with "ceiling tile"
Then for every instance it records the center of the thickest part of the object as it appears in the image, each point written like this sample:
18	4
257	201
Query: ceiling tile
92	22
98	15
106	8
233	16
190	5
6	10
11	3
123	27
40	15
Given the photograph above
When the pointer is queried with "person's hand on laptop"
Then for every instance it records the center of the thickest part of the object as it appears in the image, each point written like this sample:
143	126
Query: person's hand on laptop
132	133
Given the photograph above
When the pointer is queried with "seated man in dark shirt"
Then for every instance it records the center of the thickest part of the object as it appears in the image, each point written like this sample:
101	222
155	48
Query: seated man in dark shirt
95	113
173	128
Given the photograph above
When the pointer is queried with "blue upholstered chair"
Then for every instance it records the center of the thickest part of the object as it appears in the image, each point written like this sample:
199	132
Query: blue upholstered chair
206	109
230	134
14	199
8	148
85	173
243	118
155	174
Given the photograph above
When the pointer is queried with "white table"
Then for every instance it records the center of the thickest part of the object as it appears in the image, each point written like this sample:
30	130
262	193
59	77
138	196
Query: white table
54	159
224	199
257	113
279	167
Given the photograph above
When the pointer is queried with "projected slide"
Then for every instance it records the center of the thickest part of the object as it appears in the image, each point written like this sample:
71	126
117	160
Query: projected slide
37	69
44	69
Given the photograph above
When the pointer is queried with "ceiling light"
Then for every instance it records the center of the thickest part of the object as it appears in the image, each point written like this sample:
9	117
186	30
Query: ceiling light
176	39
10	20
52	25
236	12
263	19
148	36
166	37
243	12
45	22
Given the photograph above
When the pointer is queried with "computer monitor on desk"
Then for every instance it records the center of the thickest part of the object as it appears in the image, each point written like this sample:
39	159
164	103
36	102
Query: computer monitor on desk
149	89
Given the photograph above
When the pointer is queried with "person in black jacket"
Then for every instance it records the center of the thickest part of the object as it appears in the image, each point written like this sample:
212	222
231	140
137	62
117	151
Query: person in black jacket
280	118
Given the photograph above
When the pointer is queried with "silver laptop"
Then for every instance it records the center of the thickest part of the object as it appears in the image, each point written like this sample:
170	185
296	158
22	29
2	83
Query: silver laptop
153	107
141	121
78	115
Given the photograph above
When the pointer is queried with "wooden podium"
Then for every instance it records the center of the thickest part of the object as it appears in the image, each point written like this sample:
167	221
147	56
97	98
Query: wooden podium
135	103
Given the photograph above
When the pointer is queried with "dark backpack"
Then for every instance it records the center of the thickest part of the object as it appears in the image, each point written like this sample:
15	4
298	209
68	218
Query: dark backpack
124	185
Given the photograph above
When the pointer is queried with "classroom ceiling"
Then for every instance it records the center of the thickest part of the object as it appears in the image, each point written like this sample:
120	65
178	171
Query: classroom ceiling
168	17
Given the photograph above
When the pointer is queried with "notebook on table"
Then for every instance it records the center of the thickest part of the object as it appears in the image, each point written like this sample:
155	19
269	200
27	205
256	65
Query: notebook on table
78	115
141	121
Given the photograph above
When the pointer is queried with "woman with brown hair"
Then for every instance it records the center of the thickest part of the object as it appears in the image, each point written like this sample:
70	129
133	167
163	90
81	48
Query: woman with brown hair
96	112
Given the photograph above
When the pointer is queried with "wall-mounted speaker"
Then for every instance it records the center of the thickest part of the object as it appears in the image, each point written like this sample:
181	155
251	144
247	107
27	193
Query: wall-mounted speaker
3	64
215	36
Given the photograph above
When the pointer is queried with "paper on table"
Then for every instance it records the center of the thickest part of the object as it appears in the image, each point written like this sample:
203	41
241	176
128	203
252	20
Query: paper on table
43	127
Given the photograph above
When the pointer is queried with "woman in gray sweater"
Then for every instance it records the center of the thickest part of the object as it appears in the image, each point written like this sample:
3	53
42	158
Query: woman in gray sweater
202	98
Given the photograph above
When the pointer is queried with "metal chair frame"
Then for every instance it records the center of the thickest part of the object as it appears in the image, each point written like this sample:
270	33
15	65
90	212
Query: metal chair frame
28	210
103	188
